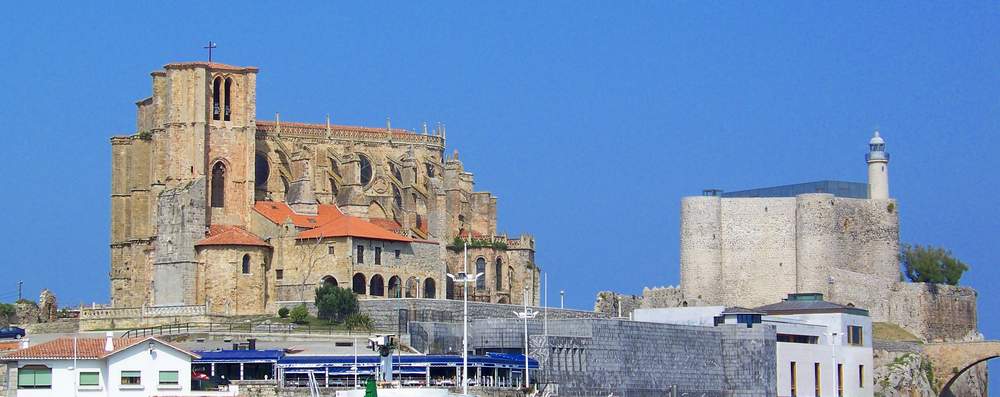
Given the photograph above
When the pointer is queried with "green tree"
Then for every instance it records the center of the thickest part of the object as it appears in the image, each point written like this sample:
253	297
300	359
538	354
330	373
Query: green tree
283	312
926	264
299	314
7	312
335	303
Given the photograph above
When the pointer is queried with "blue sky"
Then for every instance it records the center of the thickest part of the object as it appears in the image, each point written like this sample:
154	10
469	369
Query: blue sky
589	120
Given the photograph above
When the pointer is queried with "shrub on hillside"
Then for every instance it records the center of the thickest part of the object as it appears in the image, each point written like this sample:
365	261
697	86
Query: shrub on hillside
283	312
299	314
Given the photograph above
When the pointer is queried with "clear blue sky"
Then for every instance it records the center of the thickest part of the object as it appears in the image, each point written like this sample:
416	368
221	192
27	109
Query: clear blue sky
589	121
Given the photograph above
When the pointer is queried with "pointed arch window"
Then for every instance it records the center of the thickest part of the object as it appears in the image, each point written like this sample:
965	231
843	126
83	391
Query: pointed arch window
218	185
481	268
229	97
498	274
216	92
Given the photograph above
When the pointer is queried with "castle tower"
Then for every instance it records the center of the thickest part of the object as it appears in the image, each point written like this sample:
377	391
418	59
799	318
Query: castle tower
878	169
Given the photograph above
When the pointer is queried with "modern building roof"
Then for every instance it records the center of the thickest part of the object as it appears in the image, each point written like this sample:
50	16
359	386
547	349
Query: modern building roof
230	235
82	348
809	303
836	188
740	310
240	355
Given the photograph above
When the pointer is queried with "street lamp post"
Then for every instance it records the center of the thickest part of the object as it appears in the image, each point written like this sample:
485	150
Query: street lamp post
562	297
526	314
465	279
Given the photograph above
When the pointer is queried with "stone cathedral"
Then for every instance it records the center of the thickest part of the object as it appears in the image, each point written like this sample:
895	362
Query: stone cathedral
210	206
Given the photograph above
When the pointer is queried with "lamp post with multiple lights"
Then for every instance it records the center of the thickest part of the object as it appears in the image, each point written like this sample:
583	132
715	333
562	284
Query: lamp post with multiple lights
465	279
528	313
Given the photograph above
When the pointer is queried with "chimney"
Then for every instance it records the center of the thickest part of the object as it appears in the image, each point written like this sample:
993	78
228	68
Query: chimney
109	341
252	344
25	342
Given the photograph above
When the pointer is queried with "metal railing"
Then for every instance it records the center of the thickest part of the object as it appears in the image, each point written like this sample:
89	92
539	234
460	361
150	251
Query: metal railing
241	327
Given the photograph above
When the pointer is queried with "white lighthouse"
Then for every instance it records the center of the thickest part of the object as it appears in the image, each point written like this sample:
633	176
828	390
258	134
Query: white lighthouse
878	169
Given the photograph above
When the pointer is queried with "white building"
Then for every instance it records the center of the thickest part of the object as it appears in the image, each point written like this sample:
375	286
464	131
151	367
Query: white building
823	349
102	367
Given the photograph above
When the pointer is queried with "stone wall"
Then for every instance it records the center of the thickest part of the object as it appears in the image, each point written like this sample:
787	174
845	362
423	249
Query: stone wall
596	357
180	220
395	314
934	312
754	251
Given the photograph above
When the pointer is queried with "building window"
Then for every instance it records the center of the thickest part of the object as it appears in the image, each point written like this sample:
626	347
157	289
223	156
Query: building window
861	376
218	185
366	169
330	250
481	268
840	380
498	274
34	377
397	198
855	335
246	264
430	170
90	379
168	378
816	379
378	255
361	254
131	378
333	165
793	381
397	254
279	274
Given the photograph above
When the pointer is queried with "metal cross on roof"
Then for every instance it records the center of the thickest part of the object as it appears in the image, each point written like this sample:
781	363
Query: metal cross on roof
209	47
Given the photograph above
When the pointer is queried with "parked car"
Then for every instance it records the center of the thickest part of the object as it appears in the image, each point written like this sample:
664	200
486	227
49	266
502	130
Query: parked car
12	332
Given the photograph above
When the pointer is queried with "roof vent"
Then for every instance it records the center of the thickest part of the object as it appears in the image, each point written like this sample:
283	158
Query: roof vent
109	341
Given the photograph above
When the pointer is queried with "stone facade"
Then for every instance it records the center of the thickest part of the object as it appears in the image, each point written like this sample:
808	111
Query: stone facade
597	357
199	158
840	247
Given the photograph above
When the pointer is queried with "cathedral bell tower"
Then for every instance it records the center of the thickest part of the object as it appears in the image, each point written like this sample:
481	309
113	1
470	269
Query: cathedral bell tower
878	169
208	127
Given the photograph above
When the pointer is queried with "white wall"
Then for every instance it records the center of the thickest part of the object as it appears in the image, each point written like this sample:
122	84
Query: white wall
139	358
64	377
695	315
831	349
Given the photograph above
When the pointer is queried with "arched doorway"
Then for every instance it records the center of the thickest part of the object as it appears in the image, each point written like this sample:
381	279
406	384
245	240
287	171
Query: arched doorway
395	287
430	288
330	281
358	284
376	286
412	287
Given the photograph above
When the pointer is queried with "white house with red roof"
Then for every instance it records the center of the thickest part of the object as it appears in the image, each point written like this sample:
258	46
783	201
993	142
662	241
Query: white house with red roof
103	367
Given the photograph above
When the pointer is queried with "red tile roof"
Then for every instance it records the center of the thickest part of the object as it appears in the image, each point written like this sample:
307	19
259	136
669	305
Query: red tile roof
387	224
330	222
230	235
86	348
8	346
278	212
353	227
